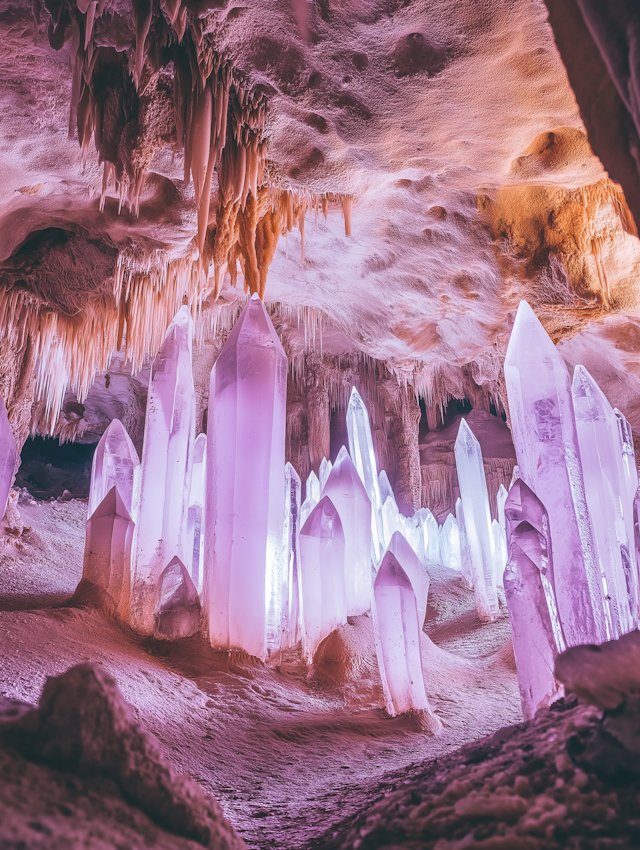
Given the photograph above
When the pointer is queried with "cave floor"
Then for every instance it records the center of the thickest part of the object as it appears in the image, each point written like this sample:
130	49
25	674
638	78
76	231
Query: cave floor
287	753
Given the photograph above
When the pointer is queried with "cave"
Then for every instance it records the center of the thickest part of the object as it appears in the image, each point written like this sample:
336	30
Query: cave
319	423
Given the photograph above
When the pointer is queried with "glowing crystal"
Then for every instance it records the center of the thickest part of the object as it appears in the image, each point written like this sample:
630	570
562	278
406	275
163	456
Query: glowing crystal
416	573
450	544
465	552
544	435
392	520
385	487
195	514
313	488
431	536
364	459
115	464
325	470
8	457
291	625
245	484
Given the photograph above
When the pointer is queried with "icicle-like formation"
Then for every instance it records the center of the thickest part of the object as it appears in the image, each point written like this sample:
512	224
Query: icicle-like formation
107	551
115	464
397	634
165	482
195	515
245	486
544	435
364	459
8	457
477	517
291	611
347	493
418	576
537	636
605	489
177	612
322	561
450	544
325	471
465	552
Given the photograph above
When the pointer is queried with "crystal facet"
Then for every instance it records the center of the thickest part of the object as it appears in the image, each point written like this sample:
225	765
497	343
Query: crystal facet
325	470
364	459
431	536
465	552
195	514
115	464
416	573
177	613
450	544
291	625
245	484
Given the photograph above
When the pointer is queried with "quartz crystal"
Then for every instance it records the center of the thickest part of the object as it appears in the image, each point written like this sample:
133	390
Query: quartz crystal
313	488
345	489
605	488
177	613
195	514
416	573
165	482
392	520
397	636
629	475
431	537
450	544
385	487
364	459
499	551
107	550
291	626
323	589
544	435
535	634
8	457
465	552
413	534
245	484
115	464
325	470
477	518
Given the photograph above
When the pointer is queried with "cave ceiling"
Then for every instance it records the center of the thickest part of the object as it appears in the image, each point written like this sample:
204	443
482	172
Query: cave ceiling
445	135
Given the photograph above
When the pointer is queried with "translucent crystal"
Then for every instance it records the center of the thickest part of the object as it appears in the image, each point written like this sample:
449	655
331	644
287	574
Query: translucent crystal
291	625
605	489
177	613
385	487
535	628
107	550
195	514
245	484
312	490
431	536
413	534
627	457
465	552
115	464
392	520
8	457
345	489
501	498
499	551
416	573
325	469
364	459
323	590
165	481
397	635
544	435
450	544
477	518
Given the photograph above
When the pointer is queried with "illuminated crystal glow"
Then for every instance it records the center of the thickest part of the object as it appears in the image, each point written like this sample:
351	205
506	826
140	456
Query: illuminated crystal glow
414	536
392	520
431	537
323	590
544	435
291	625
8	456
115	464
245	485
477	518
450	544
385	487
416	573
364	459
325	470
397	635
177	613
499	551
195	513
627	457
465	553
347	493
312	496
605	489
107	550
536	632
165	481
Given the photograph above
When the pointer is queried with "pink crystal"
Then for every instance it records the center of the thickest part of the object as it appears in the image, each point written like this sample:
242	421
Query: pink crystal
416	573
115	464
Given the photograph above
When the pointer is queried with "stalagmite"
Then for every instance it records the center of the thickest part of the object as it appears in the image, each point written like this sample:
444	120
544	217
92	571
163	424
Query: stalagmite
532	627
325	470
364	459
245	486
8	457
115	463
195	514
450	544
107	551
347	493
165	480
322	562
605	488
465	552
416	573
397	635
177	613
544	434
291	614
477	517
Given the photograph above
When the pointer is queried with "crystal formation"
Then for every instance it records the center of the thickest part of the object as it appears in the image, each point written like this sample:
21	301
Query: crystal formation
8	456
115	464
465	552
416	573
544	435
291	626
195	514
177	613
325	470
450	544
245	484
364	459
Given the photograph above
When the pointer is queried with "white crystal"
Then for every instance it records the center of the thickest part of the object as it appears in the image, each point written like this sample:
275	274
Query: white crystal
385	487
450	544
364	459
465	552
291	615
431	537
115	464
325	469
392	520
8	457
195	514
313	488
415	571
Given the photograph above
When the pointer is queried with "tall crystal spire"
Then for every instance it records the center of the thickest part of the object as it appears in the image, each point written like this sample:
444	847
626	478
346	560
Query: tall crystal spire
165	483
291	614
245	484
8	457
477	518
544	434
416	573
195	513
364	459
115	463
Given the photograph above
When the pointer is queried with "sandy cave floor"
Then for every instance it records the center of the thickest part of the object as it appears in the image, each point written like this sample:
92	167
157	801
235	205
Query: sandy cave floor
287	754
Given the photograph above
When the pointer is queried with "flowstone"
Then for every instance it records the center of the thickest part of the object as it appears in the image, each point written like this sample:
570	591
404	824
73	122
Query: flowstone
544	435
245	485
115	464
8	457
165	481
416	573
177	613
323	591
345	489
477	518
364	459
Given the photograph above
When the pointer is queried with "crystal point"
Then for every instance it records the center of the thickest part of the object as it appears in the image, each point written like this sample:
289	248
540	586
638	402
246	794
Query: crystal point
416	573
8	457
364	459
177	613
115	463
